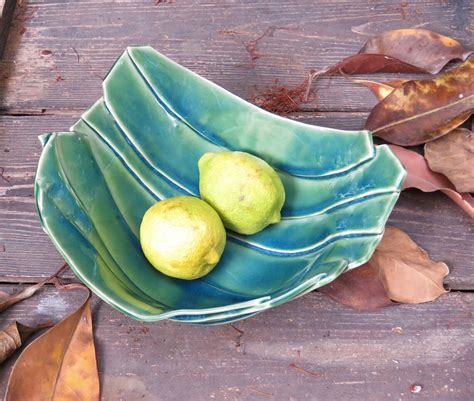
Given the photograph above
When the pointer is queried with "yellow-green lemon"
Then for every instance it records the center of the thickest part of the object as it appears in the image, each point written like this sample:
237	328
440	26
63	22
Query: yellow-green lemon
182	237
246	192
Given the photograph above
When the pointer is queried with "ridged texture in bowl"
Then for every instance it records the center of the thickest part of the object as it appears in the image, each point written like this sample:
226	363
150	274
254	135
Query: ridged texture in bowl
141	143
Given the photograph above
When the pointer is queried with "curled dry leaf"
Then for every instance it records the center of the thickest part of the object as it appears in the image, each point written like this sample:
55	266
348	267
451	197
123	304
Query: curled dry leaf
13	336
399	270
421	177
403	50
453	156
421	111
360	288
421	48
7	300
371	63
380	89
60	364
408	273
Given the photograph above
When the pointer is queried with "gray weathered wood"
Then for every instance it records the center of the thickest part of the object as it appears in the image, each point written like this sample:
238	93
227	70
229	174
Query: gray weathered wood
7	7
368	356
210	37
57	53
26	253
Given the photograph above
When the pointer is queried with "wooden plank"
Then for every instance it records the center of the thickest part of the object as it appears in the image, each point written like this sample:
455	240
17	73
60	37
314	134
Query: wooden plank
308	349
68	46
431	219
354	355
7	7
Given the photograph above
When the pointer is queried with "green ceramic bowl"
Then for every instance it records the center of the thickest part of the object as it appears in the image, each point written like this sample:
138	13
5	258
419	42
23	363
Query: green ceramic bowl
141	142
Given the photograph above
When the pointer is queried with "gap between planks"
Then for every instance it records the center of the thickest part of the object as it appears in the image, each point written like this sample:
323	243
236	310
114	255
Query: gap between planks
41	112
69	277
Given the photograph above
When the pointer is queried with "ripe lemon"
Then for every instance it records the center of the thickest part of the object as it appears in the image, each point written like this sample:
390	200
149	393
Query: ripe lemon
182	237
246	192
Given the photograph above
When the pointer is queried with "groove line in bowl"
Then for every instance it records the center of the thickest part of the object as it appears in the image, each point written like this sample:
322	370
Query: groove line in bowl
293	184
217	97
248	242
352	201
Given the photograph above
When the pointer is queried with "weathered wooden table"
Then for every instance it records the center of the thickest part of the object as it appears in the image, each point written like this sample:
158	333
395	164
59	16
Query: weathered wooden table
57	54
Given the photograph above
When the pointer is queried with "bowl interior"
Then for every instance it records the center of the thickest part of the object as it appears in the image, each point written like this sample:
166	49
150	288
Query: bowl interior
141	143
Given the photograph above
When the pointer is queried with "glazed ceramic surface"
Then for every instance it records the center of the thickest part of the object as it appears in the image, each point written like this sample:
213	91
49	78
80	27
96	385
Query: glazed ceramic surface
141	143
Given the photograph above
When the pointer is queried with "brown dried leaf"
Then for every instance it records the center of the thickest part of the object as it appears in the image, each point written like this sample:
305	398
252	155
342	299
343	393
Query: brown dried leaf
421	111
360	288
13	336
7	300
453	156
371	63
421	177
403	50
60	364
421	48
399	270
408	273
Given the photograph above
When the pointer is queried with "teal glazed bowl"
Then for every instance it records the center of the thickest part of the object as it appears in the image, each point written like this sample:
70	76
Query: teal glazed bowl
141	143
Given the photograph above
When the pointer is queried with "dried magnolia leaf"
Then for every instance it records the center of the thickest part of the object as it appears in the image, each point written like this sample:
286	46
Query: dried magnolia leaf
403	50
360	288
421	111
7	300
408	273
421	177
60	364
453	156
13	336
371	63
421	48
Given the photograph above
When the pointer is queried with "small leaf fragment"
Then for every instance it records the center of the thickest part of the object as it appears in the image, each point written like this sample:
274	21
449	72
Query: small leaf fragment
421	48
370	64
408	273
360	288
60	364
10	300
13	336
421	111
7	300
380	89
453	156
421	177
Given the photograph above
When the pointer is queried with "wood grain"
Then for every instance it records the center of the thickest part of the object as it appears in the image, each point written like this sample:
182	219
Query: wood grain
431	219
59	61
308	349
7	8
